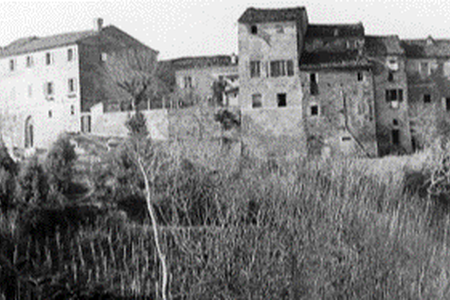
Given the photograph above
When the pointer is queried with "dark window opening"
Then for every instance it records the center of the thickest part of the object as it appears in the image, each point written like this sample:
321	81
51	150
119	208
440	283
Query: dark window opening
314	87
11	65
48	58
396	137
277	68
360	76
281	100
394	95
254	29
290	68
346	139
29	61
50	114
395	122
70	55
72	110
427	98
314	110
255	69
256	101
391	76
447	104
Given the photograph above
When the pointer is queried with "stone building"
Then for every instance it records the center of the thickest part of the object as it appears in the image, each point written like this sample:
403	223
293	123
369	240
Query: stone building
49	84
387	58
270	44
338	97
428	72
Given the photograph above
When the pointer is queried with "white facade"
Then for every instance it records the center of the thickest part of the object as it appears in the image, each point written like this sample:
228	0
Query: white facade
39	96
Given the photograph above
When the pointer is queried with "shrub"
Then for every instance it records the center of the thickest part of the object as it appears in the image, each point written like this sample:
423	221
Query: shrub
7	189
137	125
60	163
32	183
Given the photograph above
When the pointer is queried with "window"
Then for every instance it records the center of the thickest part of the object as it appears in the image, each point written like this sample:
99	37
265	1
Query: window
281	98
277	68
314	87
187	81
447	104
281	68
394	95
426	98
314	110
72	110
71	85
48	58
360	76
395	122
290	68
346	139
255	69
395	136
49	89
50	114
86	124
390	77
256	101
12	65
69	54
254	29
30	91
425	68
29	61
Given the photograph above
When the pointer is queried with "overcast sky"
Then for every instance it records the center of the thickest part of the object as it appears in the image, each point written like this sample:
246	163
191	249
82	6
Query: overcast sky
179	28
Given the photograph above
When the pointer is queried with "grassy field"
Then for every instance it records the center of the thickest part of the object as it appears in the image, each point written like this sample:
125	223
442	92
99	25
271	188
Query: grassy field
325	229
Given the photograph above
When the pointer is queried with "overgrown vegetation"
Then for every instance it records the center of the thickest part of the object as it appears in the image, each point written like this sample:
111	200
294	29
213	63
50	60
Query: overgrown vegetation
330	229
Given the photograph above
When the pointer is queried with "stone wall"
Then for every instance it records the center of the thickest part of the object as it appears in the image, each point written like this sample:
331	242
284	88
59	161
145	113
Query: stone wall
340	117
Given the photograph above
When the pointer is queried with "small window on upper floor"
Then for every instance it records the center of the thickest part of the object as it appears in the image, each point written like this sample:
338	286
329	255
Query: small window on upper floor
360	76
254	29
30	62
187	82
255	69
391	77
426	98
69	54
256	100
12	65
48	58
71	85
72	110
281	99
49	89
314	110
50	114
447	104
395	122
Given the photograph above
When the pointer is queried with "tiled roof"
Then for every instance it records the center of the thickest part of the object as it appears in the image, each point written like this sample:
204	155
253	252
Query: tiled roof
258	15
335	30
109	37
383	45
348	59
200	62
26	45
424	48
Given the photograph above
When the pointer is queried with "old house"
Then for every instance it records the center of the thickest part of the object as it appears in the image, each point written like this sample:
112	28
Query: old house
338	97
270	44
428	72
49	84
388	60
213	78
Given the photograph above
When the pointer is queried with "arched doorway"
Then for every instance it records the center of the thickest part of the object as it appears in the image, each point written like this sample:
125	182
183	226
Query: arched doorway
29	132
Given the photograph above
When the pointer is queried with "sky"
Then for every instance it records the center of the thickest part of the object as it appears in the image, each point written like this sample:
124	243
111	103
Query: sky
179	28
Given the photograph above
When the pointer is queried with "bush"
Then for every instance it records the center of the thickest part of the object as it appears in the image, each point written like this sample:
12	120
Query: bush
32	183
60	164
137	125
7	189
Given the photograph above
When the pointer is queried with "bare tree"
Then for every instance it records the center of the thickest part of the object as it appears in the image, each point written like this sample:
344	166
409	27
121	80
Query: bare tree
135	71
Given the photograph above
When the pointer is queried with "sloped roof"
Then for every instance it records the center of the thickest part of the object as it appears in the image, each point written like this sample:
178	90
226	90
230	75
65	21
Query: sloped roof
32	44
383	45
335	30
425	48
325	59
259	15
109	37
200	62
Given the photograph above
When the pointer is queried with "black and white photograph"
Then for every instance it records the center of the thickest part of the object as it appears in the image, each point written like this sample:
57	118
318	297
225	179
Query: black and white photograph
210	149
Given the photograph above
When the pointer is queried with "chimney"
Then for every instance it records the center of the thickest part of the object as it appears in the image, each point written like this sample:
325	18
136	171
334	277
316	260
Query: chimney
98	24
